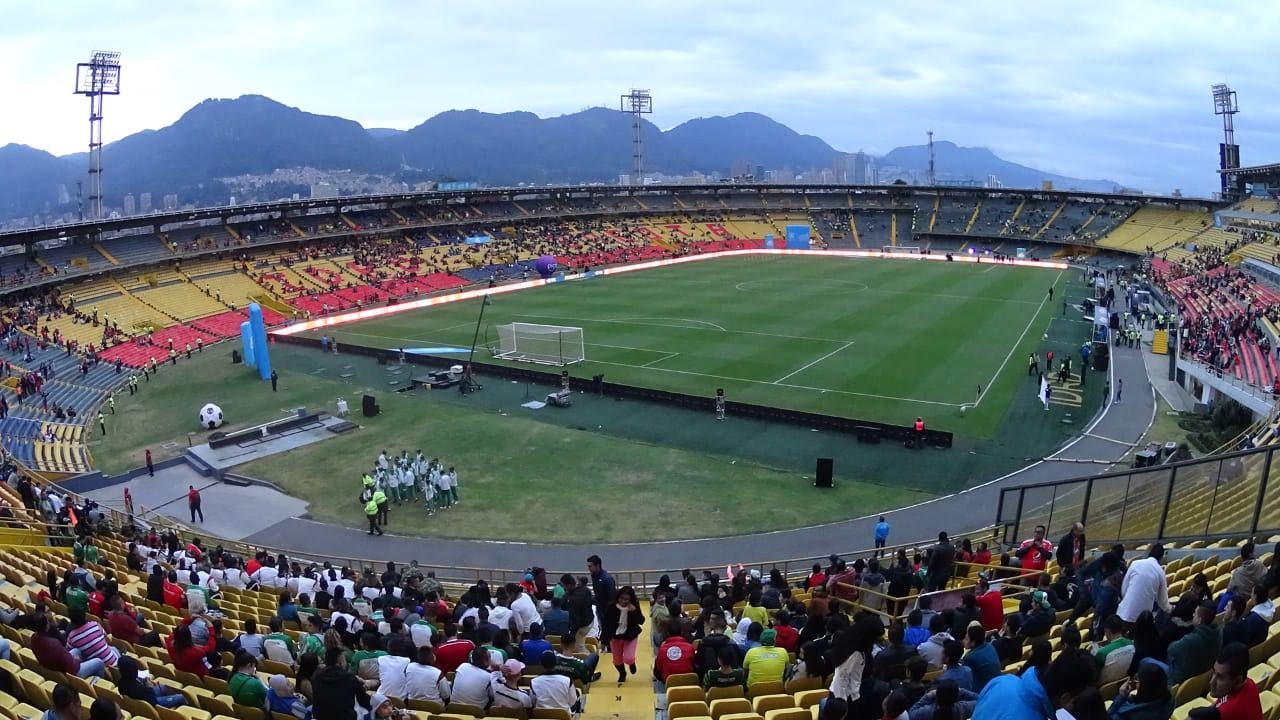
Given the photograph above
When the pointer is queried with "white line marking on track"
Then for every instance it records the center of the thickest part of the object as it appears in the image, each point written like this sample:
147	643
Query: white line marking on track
815	362
1017	342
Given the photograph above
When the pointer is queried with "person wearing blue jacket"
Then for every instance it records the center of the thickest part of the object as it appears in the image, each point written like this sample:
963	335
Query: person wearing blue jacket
882	536
981	658
1037	695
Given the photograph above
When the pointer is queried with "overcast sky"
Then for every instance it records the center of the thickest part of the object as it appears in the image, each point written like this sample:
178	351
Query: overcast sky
1116	90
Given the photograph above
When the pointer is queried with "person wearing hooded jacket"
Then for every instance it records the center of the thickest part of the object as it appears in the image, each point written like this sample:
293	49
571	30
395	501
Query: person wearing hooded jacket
335	691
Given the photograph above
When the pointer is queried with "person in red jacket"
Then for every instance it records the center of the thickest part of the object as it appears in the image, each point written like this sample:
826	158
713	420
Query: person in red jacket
189	657
123	624
990	605
675	655
453	651
786	637
174	596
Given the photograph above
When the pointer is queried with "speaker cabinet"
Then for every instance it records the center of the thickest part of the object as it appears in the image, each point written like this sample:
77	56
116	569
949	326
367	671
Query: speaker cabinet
823	474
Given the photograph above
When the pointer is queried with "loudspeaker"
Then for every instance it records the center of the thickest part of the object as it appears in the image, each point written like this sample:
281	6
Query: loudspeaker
236	359
370	406
822	476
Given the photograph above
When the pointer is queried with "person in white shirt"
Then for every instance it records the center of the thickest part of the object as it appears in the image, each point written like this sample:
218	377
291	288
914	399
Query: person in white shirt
302	585
392	675
522	608
507	692
452	475
267	575
471	682
501	615
1144	586
408	490
424	681
382	461
250	641
554	691
393	483
442	485
235	577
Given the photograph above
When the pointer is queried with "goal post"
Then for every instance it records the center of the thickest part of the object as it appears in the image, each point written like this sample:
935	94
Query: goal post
544	344
901	249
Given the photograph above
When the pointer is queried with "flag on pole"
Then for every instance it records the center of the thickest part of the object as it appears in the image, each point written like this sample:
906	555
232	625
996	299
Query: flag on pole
1044	391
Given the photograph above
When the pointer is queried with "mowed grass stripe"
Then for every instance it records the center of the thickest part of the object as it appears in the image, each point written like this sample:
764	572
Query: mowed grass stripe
924	335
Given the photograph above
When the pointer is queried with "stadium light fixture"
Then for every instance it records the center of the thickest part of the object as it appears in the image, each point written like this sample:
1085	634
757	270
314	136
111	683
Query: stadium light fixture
96	79
636	103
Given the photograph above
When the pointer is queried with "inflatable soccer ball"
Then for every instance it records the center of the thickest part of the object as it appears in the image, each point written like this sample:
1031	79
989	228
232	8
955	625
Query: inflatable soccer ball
210	416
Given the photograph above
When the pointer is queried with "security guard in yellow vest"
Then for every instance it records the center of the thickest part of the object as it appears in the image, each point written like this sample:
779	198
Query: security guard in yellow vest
371	512
380	499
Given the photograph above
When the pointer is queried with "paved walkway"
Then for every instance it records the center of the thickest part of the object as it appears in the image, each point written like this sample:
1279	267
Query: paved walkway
230	511
1173	393
1120	425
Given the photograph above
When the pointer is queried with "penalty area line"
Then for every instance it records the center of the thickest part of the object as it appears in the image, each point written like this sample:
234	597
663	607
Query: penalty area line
777	384
815	362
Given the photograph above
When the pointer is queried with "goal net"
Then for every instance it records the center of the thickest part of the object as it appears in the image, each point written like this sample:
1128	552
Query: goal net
545	344
902	249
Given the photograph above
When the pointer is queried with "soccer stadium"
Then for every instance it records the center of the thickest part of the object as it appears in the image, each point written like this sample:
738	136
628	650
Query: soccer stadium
782	450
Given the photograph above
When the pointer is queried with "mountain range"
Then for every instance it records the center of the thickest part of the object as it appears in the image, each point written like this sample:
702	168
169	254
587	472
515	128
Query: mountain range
256	135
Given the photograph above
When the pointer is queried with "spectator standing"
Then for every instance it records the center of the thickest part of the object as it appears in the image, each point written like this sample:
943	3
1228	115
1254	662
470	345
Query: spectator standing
942	561
881	536
1034	554
193	503
603	590
621	622
1144	587
1071	547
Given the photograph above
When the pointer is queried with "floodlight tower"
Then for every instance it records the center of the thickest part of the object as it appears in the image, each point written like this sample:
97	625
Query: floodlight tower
933	180
97	78
637	103
1224	104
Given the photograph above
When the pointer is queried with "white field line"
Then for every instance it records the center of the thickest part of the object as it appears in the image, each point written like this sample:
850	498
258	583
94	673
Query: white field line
778	384
655	362
679	327
1017	342
687	320
815	362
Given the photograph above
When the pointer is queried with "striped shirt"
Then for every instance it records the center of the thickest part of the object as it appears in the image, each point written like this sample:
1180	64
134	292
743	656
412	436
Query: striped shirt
91	642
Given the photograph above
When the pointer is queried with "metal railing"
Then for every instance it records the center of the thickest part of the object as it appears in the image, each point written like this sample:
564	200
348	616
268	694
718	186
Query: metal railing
1221	495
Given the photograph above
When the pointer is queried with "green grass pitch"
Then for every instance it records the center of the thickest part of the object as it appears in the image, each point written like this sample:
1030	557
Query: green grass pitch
884	340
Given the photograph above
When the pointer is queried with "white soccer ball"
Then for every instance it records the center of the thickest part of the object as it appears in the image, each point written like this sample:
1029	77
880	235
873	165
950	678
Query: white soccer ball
210	416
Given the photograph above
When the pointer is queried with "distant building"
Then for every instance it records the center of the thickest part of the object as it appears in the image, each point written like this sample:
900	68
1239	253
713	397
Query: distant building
859	168
323	190
759	173
171	201
144	203
840	167
129	206
993	183
63	196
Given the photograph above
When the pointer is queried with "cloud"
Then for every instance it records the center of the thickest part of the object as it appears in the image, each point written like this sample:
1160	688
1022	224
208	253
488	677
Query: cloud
1088	88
